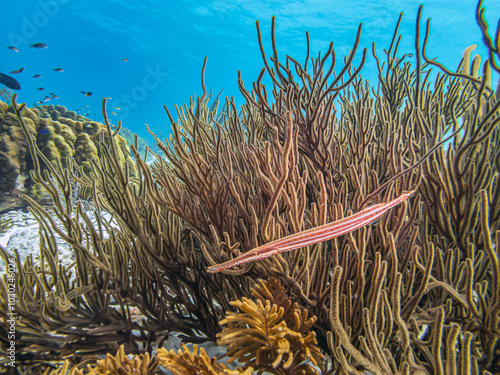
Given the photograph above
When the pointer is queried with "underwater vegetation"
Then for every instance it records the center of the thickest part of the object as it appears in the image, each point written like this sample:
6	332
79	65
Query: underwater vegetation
418	293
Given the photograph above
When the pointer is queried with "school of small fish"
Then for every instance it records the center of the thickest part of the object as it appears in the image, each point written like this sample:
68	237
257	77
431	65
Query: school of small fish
13	84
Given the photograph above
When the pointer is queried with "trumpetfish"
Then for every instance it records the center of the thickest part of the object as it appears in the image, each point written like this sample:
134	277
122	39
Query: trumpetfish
314	235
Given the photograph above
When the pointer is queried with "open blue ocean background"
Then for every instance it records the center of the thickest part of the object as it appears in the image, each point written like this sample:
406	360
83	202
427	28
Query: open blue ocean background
165	43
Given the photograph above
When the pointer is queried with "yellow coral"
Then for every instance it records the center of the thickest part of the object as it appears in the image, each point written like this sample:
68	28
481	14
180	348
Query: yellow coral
122	364
119	364
261	337
85	151
192	363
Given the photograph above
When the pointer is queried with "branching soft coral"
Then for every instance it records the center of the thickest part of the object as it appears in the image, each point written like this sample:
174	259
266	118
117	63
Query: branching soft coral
192	363
269	337
119	364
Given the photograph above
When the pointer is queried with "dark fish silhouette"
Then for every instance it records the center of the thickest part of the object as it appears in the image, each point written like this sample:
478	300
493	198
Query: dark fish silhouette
44	131
10	82
125	59
37	76
58	70
40	88
13	48
38	45
20	70
86	93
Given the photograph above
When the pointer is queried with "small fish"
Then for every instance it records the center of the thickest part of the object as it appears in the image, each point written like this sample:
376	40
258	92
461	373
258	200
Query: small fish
86	93
12	48
409	54
39	102
58	70
125	59
40	88
113	113
89	126
38	45
20	70
46	99
44	131
10	82
118	108
37	76
55	97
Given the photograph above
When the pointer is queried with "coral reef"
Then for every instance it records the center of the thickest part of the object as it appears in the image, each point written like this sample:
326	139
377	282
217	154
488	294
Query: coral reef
418	293
268	336
119	364
14	155
54	112
60	134
192	363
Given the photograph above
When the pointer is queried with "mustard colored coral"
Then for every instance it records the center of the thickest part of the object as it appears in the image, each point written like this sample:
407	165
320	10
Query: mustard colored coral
260	337
119	364
189	362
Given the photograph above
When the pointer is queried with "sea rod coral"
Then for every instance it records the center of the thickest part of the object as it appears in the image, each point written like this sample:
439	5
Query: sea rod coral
418	293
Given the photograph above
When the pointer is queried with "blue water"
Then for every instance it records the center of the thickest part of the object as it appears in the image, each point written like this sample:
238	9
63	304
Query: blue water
165	43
